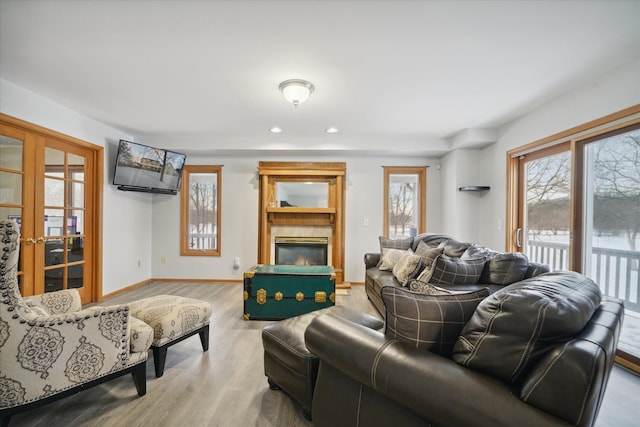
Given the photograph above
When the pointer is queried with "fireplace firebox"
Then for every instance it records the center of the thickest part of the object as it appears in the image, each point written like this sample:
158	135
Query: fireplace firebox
301	250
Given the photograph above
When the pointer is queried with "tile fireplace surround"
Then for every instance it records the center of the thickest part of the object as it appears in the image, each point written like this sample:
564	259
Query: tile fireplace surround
302	220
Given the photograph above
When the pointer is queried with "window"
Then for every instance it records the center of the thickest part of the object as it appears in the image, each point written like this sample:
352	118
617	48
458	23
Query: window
405	202
573	203
200	211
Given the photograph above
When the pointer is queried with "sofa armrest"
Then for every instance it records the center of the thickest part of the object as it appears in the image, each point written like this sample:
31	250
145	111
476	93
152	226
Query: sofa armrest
57	302
431	386
371	260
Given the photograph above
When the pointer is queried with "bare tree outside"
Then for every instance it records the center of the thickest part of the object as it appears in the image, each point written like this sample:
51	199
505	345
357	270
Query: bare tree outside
202	214
616	190
547	195
403	199
616	186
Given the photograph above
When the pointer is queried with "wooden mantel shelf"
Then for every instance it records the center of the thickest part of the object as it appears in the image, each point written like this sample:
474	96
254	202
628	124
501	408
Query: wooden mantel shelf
289	210
301	216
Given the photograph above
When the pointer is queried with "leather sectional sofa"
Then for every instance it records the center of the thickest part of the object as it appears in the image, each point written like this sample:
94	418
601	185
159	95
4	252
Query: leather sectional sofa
537	352
483	267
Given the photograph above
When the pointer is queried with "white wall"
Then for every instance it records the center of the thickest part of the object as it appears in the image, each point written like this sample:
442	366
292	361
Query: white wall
461	168
612	92
126	225
145	227
364	199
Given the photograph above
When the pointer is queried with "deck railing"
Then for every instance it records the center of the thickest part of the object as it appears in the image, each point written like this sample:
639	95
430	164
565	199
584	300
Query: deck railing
615	270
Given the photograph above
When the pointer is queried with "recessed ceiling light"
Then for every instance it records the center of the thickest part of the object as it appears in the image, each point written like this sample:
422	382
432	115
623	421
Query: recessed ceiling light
275	129
331	130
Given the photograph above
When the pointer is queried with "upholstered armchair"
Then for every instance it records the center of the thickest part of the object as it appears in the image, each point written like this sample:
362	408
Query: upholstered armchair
50	347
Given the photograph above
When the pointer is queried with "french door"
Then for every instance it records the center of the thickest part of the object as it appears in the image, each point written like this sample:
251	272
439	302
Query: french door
48	185
575	205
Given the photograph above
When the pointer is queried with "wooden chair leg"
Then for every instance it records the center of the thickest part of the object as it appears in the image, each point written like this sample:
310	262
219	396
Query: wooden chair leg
139	374
204	337
159	357
4	420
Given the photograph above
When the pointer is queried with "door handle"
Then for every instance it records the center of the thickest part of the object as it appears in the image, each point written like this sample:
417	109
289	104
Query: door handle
29	241
519	237
41	240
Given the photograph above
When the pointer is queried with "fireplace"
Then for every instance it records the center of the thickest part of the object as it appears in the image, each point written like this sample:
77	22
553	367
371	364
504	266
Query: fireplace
301	250
306	219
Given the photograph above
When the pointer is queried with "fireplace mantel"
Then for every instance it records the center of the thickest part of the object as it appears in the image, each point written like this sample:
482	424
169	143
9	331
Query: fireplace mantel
272	214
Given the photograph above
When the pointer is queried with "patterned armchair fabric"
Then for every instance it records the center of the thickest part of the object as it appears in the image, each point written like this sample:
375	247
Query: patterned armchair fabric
50	347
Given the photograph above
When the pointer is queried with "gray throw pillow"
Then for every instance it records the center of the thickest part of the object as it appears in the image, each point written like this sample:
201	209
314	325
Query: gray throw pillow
406	267
448	270
425	288
429	322
390	258
504	268
428	256
388	243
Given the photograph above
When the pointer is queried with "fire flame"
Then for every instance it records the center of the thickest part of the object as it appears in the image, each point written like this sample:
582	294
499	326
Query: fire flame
301	261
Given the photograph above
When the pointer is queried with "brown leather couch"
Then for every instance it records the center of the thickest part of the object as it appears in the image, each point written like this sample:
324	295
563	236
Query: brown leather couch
555	329
500	268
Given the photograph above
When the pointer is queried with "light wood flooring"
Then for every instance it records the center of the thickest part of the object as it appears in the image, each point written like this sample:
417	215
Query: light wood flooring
226	386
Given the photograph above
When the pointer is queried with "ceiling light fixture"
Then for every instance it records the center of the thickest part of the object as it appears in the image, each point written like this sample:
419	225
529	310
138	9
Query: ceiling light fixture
296	91
275	129
331	130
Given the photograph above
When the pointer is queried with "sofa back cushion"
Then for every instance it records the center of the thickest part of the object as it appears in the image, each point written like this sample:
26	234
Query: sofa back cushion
430	322
515	326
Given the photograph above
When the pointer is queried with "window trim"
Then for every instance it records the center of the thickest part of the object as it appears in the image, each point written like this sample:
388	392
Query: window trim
421	171
185	194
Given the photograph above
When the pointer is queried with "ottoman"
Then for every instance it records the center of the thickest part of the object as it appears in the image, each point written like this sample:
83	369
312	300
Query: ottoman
172	318
288	364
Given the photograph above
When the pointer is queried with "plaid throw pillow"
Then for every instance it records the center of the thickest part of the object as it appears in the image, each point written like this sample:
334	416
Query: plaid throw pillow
429	322
448	271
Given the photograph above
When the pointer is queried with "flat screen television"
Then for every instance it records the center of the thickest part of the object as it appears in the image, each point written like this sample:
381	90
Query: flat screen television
147	169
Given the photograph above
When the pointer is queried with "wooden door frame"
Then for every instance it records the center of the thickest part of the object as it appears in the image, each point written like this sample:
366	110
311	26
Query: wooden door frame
97	155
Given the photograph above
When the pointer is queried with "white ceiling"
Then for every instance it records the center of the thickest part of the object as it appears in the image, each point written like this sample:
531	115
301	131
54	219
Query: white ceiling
392	76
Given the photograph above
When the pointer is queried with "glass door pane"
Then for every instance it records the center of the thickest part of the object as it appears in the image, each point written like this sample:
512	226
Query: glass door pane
611	249
64	188
547	207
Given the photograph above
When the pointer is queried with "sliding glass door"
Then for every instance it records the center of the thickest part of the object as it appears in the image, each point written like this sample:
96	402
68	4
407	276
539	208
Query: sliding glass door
574	204
610	216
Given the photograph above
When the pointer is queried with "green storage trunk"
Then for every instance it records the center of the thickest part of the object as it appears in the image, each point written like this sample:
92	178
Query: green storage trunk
274	292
